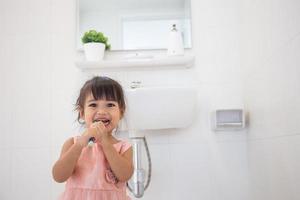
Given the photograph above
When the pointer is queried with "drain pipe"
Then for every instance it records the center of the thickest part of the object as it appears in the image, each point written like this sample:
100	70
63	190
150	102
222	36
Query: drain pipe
139	172
137	186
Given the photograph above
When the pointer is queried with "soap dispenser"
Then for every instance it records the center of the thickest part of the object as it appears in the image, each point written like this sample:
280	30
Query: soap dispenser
175	45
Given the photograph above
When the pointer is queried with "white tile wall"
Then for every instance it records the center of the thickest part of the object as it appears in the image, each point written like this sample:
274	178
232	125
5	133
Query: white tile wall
21	18
273	99
230	169
159	187
270	61
190	174
274	166
55	188
30	172
5	173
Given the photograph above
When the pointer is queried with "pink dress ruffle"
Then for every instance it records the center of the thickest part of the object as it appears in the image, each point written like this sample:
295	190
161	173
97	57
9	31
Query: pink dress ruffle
93	179
89	194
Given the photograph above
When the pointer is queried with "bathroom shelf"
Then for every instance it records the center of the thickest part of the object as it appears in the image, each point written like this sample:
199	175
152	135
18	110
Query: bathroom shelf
185	61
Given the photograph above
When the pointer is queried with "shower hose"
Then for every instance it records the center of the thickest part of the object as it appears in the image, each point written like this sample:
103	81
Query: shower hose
149	167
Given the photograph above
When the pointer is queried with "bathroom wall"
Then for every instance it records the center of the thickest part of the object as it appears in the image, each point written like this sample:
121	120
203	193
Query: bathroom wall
270	59
240	61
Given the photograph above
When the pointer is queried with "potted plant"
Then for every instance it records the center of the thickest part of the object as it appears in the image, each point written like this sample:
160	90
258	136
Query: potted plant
94	45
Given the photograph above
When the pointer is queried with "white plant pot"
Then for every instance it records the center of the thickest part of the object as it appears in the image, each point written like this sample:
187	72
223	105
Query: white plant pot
94	51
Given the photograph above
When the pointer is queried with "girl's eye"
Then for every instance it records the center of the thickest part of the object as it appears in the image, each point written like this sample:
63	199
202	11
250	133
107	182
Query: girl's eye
92	105
111	105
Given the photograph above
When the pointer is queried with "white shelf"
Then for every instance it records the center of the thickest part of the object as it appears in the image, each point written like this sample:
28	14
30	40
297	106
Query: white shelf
185	61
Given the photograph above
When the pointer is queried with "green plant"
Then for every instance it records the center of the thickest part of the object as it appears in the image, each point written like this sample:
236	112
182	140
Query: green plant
94	36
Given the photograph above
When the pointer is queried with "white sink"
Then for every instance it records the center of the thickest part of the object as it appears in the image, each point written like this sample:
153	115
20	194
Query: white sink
152	108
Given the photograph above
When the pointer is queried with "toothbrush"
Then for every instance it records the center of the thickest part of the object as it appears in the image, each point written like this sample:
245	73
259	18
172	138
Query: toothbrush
92	139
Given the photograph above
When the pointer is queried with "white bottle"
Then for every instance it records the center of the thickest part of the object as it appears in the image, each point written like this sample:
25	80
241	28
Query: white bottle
175	45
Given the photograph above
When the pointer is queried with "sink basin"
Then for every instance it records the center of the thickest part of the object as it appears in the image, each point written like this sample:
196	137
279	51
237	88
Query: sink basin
152	108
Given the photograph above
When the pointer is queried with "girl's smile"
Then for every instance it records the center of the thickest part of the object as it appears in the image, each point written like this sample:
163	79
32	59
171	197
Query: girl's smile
104	121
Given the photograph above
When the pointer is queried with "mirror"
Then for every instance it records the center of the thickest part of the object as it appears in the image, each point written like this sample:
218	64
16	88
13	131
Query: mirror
135	24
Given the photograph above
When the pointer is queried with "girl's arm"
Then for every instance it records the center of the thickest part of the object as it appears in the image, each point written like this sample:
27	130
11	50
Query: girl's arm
64	167
121	165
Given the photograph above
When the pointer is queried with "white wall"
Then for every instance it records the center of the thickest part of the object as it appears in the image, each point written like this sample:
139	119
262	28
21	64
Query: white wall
39	84
271	60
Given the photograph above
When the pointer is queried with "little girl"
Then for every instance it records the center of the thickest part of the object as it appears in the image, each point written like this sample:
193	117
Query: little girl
97	171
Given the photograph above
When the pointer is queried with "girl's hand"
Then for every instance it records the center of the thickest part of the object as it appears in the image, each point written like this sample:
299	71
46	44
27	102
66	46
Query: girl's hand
98	130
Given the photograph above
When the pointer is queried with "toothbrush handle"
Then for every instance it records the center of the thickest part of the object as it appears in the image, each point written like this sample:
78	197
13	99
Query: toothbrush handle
92	139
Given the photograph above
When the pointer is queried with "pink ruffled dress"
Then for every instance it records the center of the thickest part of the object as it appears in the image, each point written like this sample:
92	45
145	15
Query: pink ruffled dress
93	178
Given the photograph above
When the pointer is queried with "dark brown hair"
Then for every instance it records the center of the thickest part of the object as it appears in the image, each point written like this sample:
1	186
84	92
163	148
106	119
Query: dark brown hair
101	87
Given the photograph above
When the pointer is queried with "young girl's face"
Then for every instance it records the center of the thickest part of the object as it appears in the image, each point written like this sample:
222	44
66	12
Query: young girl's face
101	110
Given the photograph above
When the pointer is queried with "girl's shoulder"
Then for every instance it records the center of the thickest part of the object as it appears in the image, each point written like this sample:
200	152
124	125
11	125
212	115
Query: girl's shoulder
116	141
67	144
70	140
122	145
